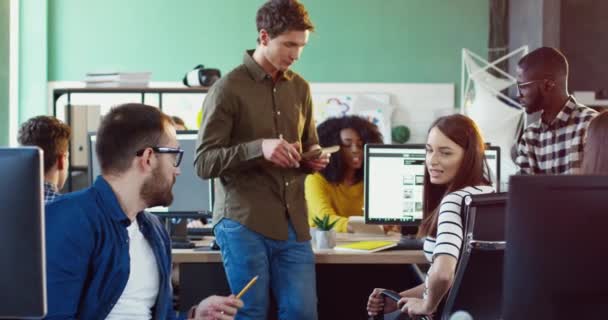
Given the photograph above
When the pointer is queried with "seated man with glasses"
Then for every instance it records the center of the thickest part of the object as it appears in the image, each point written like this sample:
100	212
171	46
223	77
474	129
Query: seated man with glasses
337	190
106	257
179	153
554	144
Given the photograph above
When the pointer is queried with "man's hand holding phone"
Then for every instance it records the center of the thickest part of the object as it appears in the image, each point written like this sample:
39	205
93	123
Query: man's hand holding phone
317	158
317	152
281	152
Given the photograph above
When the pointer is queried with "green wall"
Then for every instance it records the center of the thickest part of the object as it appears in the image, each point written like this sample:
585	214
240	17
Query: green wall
4	75
32	58
355	41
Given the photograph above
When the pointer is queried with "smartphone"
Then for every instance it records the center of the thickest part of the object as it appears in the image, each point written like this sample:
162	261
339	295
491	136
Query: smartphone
312	154
396	297
391	295
316	153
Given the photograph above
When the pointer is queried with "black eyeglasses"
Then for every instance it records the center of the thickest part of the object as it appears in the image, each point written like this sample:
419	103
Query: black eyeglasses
179	153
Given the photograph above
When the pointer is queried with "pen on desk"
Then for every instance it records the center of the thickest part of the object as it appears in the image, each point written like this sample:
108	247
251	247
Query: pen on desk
251	282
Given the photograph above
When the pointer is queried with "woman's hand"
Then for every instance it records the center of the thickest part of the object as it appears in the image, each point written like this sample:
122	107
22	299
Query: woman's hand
388	228
195	223
377	303
415	307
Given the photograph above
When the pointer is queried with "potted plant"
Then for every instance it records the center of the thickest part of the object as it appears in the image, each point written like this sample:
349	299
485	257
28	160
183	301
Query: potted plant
324	235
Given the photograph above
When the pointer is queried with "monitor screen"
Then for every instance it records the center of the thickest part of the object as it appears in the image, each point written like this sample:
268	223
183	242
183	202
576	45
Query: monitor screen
191	194
22	257
493	160
554	228
393	180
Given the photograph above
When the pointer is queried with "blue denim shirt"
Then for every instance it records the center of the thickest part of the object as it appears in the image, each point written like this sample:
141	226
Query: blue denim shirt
87	251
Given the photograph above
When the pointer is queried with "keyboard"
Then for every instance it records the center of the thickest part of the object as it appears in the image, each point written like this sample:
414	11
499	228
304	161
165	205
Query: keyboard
200	231
409	244
182	245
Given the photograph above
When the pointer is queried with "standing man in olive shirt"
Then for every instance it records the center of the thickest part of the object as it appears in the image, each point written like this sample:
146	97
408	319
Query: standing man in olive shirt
257	121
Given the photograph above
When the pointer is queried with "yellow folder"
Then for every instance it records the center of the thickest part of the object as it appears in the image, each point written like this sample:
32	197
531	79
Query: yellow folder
366	246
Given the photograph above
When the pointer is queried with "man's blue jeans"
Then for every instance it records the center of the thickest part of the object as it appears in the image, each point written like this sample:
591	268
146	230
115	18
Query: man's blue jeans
286	267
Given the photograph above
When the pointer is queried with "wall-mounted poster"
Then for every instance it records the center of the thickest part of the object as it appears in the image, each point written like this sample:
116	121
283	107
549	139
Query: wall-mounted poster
374	107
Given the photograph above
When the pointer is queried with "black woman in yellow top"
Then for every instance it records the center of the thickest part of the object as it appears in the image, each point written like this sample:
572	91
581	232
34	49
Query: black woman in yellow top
337	190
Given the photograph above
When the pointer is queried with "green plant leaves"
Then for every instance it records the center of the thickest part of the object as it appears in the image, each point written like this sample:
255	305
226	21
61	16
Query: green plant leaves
324	223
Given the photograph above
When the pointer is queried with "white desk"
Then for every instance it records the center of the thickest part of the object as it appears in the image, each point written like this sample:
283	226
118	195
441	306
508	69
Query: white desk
344	279
328	256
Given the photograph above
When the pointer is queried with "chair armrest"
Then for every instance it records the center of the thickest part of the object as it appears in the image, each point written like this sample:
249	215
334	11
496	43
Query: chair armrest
488	245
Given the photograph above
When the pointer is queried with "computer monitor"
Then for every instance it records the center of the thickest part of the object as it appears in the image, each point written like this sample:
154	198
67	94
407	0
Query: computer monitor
192	195
22	257
393	183
554	260
393	179
492	154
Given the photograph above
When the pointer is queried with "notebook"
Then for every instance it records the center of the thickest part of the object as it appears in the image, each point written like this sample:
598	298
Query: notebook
366	246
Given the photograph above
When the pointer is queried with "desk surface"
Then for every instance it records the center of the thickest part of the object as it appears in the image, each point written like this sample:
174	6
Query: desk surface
322	256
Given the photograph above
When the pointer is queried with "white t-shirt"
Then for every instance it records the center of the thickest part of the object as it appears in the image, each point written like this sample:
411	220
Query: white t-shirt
139	296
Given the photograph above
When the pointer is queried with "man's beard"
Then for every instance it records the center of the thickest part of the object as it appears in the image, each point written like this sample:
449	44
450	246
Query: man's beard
157	191
537	104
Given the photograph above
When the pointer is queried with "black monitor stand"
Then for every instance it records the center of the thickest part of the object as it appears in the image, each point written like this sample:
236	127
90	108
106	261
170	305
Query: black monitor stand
179	233
408	239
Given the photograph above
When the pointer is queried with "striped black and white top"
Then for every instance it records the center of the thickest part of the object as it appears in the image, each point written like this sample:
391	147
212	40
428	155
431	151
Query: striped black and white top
450	227
556	147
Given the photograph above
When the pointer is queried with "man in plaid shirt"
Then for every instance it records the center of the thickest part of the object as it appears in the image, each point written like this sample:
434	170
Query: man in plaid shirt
52	136
554	144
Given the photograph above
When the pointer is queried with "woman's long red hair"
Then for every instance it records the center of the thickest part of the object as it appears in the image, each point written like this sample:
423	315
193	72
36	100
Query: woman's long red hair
464	132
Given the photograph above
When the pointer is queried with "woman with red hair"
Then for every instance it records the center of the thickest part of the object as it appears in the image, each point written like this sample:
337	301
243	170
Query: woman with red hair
455	167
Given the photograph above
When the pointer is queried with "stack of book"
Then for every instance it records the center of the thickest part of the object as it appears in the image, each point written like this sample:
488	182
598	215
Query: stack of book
118	79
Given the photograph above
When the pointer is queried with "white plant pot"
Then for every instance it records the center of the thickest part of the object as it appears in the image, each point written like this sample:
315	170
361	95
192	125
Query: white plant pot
324	239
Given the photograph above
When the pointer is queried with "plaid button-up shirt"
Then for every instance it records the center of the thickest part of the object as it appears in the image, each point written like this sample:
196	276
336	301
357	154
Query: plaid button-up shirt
556	147
50	192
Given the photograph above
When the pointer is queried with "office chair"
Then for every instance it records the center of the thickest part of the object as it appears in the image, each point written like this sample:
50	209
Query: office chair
397	315
477	287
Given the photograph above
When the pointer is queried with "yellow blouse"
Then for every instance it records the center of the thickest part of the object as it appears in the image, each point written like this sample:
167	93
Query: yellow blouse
339	201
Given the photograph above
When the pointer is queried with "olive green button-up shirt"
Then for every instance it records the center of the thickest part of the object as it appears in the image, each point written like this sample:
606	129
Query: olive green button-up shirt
241	109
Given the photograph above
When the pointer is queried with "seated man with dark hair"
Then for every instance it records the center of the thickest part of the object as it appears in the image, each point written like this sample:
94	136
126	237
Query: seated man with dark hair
52	136
554	144
106	257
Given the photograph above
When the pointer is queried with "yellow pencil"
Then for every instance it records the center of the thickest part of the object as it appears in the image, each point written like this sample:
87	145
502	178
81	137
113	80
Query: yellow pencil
251	282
